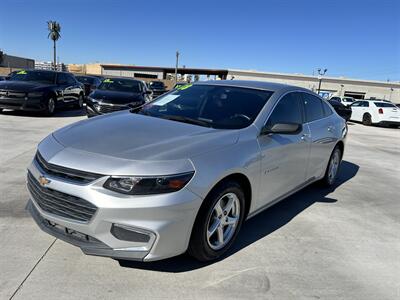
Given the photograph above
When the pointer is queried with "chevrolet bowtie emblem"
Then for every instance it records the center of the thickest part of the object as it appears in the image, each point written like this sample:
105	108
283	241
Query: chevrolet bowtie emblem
43	181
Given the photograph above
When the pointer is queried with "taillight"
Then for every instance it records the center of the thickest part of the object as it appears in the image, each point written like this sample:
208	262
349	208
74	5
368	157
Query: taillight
380	111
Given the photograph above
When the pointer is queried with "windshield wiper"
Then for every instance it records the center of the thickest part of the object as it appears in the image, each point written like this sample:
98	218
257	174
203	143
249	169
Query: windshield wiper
187	120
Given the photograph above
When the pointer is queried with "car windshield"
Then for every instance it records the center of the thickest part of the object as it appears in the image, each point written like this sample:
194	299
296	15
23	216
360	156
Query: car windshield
82	79
35	76
120	85
222	107
384	104
156	84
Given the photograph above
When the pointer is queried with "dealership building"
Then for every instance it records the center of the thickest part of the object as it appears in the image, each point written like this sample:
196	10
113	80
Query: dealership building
330	86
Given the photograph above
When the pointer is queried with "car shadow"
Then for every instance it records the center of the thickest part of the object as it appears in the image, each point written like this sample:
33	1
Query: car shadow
259	226
63	112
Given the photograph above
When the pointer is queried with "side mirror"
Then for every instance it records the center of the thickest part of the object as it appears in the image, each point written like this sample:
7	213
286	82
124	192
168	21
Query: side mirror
282	128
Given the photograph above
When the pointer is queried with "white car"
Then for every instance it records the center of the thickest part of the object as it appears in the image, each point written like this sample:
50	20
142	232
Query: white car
375	112
347	101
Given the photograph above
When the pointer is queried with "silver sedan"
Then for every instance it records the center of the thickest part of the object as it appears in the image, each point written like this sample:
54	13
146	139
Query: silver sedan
184	171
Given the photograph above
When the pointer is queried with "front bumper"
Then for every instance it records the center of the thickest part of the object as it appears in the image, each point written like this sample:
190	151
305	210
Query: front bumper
167	219
30	104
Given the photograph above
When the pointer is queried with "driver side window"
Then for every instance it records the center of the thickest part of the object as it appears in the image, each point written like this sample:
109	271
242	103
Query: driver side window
288	110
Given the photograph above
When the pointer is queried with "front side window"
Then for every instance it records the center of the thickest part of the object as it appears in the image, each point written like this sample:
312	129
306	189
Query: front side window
221	107
62	78
313	107
288	110
364	104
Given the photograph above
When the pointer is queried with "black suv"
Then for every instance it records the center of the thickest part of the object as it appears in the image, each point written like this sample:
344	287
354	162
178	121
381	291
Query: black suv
40	90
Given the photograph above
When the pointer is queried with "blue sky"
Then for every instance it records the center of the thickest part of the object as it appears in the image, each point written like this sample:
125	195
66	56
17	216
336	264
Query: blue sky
352	38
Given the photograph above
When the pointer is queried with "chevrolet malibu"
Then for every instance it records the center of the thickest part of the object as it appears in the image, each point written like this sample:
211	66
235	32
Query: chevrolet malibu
183	172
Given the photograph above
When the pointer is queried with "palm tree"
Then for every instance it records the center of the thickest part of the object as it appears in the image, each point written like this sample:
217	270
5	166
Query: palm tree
54	34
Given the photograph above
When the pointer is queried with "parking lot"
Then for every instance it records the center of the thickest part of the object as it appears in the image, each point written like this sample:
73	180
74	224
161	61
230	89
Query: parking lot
317	244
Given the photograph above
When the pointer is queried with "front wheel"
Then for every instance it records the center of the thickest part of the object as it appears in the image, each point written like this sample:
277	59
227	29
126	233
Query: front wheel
218	222
50	107
79	104
333	167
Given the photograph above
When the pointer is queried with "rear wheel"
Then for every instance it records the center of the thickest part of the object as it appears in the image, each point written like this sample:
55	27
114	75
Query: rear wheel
333	167
218	222
367	120
50	107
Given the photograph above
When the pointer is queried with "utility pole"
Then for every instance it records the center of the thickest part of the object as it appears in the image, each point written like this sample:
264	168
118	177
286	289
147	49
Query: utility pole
176	66
320	74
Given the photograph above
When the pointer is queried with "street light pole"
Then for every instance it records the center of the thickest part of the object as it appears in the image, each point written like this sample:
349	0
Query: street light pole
176	66
320	74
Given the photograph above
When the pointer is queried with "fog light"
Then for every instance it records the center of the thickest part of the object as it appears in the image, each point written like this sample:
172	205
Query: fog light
130	234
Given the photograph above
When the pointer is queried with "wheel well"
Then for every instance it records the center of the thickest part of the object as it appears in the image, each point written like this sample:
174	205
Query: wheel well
365	114
244	183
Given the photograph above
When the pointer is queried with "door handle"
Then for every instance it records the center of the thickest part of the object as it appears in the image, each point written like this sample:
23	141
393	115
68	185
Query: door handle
304	137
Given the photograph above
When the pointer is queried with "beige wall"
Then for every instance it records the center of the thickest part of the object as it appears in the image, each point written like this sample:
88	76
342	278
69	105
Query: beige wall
337	86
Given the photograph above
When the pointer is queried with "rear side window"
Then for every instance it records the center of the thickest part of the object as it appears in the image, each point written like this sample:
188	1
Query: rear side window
288	110
364	104
326	108
313	108
381	104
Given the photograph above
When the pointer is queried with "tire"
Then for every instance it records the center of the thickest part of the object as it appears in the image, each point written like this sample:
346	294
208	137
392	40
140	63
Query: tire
79	103
334	162
212	213
366	120
50	107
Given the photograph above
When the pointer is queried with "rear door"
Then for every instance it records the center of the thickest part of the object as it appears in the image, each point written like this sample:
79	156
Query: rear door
320	121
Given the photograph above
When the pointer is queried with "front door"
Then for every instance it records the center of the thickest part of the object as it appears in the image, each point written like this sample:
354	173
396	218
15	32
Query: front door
284	156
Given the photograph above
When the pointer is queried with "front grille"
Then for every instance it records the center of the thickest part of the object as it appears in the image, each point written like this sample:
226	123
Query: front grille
59	203
106	108
11	94
65	173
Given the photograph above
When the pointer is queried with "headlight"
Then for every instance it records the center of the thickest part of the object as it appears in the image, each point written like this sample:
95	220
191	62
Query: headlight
148	185
35	95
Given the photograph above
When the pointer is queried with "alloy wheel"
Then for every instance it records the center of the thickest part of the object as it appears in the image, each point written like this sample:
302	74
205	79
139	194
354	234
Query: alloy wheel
51	106
223	221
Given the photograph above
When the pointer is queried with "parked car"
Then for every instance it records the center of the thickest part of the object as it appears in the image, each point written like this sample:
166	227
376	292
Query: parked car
347	101
375	112
40	90
115	94
184	171
90	83
342	110
157	87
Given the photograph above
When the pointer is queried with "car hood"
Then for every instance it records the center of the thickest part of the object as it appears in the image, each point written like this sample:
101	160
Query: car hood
115	97
23	86
135	140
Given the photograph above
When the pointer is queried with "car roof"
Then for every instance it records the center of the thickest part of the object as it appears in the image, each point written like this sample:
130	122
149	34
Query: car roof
122	78
261	85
